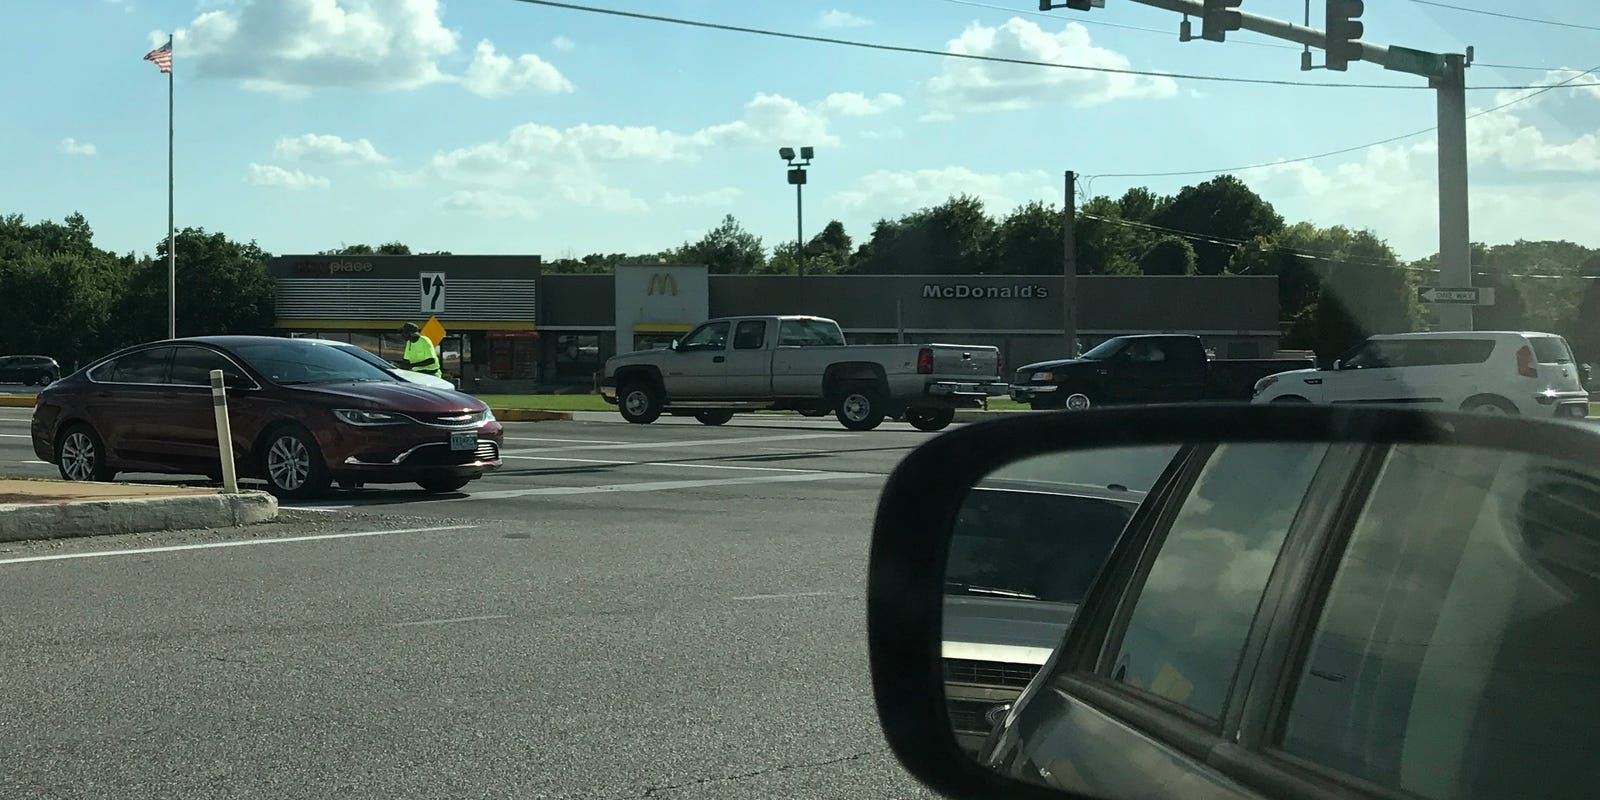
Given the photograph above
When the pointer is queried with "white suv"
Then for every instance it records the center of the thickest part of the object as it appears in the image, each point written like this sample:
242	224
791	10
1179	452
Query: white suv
1504	373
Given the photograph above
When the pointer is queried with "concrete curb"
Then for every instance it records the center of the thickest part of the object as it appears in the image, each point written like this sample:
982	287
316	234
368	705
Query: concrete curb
20	521
16	401
529	415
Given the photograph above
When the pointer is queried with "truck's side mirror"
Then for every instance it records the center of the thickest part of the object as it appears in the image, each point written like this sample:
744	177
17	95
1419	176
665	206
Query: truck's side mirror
674	345
1338	364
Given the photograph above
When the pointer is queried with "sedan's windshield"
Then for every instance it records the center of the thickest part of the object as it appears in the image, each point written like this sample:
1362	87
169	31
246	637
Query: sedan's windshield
288	363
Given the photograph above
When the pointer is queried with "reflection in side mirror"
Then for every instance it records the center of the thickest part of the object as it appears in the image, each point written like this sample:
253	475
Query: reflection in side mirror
1109	580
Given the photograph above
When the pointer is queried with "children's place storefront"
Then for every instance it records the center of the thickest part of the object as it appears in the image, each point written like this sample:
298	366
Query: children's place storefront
509	328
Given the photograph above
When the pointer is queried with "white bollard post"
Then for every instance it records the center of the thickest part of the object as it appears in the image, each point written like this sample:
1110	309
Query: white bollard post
219	404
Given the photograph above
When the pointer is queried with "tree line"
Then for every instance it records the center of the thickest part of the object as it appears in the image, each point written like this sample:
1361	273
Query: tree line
75	301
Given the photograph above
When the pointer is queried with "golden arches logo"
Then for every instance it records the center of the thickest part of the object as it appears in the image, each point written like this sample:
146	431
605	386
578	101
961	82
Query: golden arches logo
662	283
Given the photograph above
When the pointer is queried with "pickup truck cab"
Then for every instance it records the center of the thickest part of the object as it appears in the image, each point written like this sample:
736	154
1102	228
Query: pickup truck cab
800	363
1160	368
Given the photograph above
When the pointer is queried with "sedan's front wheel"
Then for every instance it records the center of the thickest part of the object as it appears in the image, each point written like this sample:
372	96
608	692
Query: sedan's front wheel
292	464
81	456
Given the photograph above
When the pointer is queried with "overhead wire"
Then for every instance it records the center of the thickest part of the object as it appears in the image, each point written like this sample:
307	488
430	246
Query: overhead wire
1344	150
1503	15
890	48
1101	23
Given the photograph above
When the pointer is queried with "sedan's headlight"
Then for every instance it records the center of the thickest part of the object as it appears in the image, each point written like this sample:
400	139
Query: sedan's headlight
1043	377
357	416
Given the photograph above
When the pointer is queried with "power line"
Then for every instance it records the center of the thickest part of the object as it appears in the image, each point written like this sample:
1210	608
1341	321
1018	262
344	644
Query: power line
1556	22
964	56
975	4
1344	150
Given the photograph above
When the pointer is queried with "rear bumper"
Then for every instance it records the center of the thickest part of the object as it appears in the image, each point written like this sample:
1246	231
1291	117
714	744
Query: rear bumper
976	391
1563	405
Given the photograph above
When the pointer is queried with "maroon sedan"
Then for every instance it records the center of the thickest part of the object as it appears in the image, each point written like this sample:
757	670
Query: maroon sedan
304	414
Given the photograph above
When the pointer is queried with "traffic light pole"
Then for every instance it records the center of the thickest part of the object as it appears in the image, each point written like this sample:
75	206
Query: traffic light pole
1447	76
1455	239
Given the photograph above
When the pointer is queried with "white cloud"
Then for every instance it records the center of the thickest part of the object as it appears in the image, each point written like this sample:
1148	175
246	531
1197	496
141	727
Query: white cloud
73	147
489	204
294	45
327	148
496	75
856	104
834	19
563	45
1529	182
966	86
725	196
771	119
280	178
891	193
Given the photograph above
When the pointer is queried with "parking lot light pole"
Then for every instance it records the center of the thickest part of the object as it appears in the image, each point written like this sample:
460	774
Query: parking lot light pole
797	177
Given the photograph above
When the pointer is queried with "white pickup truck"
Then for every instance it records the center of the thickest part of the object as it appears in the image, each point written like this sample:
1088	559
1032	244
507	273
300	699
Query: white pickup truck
800	364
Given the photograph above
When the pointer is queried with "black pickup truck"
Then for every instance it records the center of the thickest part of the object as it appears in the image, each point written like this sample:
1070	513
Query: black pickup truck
1162	368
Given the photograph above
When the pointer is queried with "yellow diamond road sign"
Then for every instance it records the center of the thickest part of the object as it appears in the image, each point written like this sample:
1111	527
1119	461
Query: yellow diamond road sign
433	330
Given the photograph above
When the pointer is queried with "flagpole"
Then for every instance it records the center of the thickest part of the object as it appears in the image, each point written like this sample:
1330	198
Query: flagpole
172	255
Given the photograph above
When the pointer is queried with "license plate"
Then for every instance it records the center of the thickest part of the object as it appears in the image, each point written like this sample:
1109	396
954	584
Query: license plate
464	440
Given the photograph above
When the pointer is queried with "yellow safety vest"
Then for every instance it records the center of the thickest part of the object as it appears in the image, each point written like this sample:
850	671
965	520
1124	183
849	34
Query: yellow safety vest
422	350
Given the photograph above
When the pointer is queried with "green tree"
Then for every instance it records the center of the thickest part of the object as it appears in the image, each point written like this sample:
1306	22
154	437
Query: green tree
1139	204
951	238
1106	243
1360	300
831	245
1028	242
385	249
1584	335
1222	208
1170	255
223	288
727	249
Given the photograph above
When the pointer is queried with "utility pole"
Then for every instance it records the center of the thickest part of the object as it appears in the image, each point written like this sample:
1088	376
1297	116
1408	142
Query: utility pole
1446	74
797	176
1069	264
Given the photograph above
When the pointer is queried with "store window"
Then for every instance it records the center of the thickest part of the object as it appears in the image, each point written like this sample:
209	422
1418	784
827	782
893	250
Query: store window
578	354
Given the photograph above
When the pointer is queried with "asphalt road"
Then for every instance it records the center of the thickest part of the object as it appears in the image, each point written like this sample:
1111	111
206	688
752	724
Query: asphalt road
622	611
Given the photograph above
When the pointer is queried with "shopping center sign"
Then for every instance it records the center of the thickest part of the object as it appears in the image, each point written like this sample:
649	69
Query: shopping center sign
969	291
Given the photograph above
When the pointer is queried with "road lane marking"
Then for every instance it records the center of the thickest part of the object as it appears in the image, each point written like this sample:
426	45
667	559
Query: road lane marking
16	435
451	621
685	443
241	543
657	486
663	464
564	441
784	596
36	461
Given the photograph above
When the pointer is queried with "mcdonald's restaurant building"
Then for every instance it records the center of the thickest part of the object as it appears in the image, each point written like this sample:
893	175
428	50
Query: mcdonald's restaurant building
510	328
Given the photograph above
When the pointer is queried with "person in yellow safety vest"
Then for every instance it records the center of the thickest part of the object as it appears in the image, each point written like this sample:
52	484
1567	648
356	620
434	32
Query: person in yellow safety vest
420	355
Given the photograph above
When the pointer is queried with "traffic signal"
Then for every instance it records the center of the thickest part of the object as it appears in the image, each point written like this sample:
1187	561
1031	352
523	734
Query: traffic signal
1344	31
1218	18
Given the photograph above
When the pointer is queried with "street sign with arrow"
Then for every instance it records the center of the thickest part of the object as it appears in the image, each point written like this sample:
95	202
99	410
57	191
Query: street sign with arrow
432	292
1457	296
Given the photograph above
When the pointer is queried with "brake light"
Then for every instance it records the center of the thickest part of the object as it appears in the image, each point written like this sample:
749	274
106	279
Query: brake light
925	361
1525	366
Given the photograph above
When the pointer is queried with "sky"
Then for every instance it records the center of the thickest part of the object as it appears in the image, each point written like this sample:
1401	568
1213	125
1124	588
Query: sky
499	126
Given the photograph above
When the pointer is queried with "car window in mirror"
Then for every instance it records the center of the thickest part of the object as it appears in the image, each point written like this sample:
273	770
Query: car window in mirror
1456	653
1197	602
1026	547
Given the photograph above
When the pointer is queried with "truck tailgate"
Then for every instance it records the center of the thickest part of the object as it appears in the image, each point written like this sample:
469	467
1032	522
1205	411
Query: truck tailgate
957	362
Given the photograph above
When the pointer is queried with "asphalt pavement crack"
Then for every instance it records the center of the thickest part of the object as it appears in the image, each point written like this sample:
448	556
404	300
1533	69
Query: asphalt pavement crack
656	791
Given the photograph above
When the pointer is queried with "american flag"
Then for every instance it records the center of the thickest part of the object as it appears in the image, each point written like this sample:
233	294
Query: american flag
162	56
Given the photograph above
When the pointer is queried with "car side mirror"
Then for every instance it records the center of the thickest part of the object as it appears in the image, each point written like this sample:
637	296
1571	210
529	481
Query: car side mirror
1338	364
1055	601
674	346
